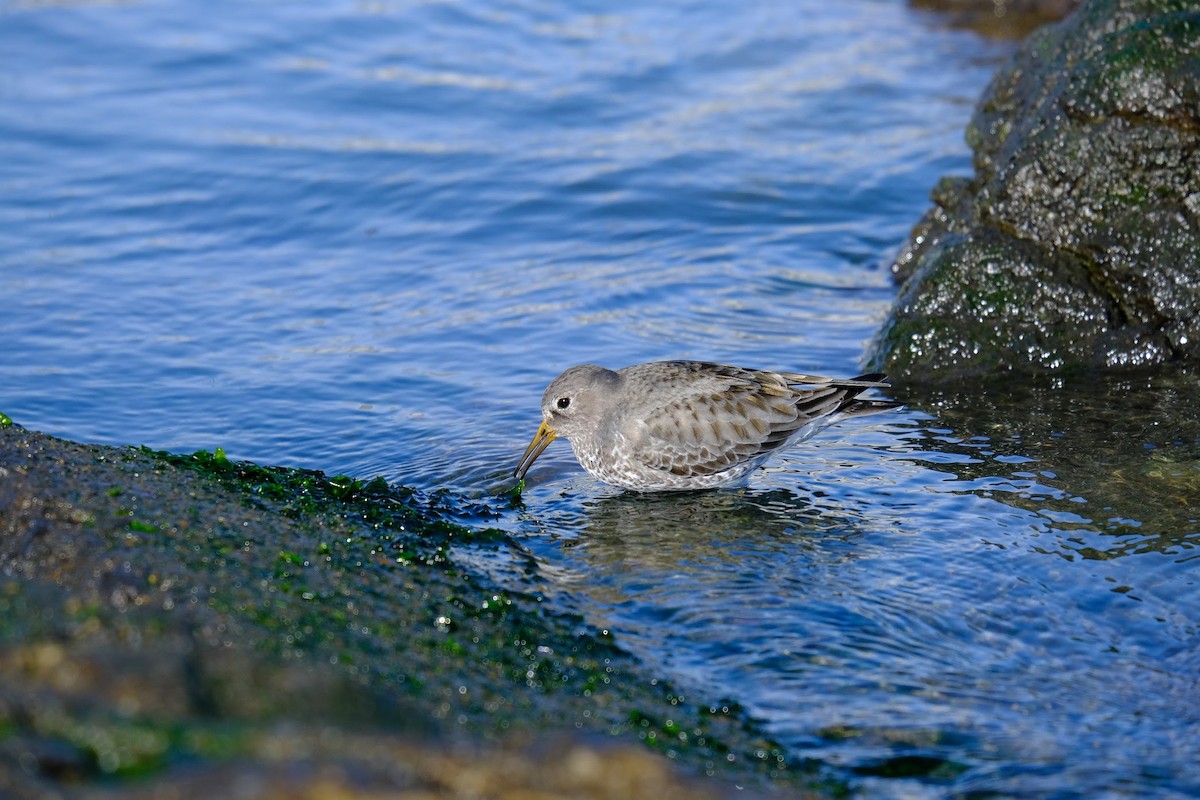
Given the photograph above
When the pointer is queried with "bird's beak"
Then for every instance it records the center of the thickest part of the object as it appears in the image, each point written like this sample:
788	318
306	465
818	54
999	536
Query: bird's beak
541	440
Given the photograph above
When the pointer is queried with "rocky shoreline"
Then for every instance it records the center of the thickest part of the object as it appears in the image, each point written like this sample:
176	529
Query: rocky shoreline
188	624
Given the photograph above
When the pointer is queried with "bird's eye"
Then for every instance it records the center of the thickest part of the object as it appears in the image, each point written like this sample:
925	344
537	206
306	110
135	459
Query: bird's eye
563	402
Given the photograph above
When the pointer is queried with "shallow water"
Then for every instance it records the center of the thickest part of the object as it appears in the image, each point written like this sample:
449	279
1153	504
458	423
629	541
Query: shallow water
362	237
1002	598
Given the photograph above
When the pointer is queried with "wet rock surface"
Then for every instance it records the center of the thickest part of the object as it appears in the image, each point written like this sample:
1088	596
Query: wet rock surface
185	626
1077	242
1003	19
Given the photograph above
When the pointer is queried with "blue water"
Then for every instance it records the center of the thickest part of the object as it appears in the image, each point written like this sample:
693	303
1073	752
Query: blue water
362	237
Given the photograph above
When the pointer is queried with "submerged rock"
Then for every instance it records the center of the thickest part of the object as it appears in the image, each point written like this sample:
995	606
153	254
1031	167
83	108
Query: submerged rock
1077	242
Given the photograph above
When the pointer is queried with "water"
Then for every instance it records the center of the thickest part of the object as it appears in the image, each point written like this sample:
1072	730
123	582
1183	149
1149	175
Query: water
362	237
938	604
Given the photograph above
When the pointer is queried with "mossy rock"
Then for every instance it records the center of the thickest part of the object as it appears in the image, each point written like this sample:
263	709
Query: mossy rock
1076	244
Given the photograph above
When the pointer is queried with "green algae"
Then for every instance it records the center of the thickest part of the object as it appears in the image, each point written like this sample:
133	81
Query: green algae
513	495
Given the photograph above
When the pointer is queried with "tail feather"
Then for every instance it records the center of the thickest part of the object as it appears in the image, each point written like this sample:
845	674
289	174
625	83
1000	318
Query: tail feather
853	406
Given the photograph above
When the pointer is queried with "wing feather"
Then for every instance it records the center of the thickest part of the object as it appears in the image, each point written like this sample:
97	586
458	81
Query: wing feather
701	418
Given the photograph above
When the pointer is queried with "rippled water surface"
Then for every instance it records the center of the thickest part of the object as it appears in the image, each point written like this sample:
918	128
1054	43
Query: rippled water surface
362	236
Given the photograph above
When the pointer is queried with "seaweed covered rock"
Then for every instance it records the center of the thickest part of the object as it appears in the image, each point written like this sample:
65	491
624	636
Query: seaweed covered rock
192	626
1077	242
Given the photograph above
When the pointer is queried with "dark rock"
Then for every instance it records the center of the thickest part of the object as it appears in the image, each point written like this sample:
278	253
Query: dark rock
1077	242
1002	19
192	626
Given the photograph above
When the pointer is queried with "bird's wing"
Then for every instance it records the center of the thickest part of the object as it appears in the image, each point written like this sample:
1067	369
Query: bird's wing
733	416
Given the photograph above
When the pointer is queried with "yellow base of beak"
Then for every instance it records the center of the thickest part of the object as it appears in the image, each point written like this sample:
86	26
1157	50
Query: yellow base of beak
541	440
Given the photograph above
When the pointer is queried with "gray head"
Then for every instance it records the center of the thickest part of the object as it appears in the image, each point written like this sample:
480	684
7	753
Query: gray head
575	401
572	406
